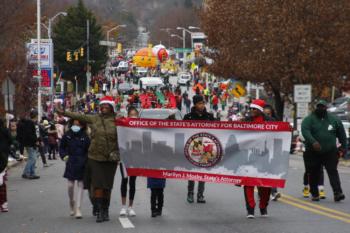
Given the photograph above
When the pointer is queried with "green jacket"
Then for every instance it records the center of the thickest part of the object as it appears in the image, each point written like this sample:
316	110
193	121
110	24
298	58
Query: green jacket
324	131
104	140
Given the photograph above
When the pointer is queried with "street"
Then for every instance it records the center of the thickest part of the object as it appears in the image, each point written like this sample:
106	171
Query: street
38	206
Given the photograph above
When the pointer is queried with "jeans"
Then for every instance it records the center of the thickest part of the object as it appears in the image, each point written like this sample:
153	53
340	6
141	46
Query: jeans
29	169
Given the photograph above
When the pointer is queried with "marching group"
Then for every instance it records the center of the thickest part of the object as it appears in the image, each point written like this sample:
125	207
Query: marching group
87	143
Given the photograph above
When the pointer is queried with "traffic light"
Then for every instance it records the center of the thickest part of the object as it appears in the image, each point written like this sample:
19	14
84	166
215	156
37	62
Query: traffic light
76	55
69	56
82	52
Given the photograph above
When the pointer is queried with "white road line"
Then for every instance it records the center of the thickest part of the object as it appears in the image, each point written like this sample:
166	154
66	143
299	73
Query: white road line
126	223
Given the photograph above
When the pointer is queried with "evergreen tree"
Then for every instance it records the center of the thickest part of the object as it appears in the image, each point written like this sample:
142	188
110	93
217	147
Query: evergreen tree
70	34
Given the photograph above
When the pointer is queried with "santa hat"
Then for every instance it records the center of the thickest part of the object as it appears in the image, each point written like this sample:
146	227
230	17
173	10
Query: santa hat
108	100
258	104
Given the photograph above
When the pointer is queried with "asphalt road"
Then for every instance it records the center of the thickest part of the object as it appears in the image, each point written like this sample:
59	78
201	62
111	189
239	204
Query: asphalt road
38	206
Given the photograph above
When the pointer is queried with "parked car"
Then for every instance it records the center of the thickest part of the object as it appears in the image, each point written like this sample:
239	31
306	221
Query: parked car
141	72
341	108
160	113
184	78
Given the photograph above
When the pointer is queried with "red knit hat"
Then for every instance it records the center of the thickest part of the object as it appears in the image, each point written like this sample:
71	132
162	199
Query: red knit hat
258	104
107	100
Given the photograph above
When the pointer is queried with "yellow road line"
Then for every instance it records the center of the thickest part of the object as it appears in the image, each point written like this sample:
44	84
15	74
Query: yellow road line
313	210
320	207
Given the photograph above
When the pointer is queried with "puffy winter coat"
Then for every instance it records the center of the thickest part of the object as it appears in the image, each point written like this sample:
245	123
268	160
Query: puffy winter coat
76	146
194	115
26	133
104	140
154	183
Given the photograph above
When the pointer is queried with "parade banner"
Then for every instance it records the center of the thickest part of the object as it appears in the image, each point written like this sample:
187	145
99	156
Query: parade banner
239	153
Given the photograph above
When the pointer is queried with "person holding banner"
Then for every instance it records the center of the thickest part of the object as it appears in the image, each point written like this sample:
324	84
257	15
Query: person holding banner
321	130
132	113
257	116
103	155
198	113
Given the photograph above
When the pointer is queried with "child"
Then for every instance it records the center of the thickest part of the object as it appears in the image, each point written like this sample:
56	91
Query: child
74	150
132	113
157	195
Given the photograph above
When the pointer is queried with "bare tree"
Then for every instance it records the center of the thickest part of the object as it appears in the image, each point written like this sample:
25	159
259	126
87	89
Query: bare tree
279	42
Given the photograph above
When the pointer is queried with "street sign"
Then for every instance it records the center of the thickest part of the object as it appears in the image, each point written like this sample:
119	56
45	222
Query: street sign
42	41
302	110
108	43
8	87
238	90
46	79
302	93
183	50
46	54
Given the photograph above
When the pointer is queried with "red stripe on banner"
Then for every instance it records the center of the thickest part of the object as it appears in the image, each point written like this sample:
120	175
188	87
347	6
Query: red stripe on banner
225	125
207	177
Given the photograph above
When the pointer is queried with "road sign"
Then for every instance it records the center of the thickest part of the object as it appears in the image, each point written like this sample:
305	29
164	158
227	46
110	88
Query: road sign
302	110
46	54
238	90
302	93
108	43
183	50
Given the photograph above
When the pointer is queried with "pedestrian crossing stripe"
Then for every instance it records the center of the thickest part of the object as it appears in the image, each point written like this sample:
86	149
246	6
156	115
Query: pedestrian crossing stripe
126	223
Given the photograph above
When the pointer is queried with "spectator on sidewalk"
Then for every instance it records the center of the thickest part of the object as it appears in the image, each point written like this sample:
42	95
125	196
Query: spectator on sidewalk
5	143
28	133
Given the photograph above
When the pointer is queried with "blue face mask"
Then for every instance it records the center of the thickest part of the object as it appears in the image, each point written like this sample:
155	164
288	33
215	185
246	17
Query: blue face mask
75	128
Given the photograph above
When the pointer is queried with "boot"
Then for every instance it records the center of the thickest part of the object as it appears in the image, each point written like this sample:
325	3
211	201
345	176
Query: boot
201	199
190	197
159	211
105	210
99	216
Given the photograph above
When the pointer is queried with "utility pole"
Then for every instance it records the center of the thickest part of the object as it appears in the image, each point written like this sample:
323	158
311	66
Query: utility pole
88	73
38	23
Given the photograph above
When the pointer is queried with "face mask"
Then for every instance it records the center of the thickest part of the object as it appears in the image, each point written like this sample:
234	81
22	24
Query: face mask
321	113
75	128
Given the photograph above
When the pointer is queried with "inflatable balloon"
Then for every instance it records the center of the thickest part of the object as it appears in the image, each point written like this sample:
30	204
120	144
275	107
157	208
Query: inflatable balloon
162	55
145	58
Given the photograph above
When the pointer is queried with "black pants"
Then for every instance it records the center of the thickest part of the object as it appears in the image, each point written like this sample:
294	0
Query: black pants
314	162
124	184
306	178
157	198
201	187
52	150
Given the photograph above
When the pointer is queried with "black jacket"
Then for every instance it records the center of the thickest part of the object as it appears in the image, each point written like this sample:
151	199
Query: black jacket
26	133
5	143
193	115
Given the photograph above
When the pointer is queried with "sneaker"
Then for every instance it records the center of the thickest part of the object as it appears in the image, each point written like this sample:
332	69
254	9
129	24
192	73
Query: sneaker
78	214
317	198
275	196
123	212
200	199
322	194
154	214
72	210
250	213
34	177
4	208
306	192
46	165
190	198
131	212
263	212
339	197
24	176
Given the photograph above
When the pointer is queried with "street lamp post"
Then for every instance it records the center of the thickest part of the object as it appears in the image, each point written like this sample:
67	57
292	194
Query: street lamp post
109	31
184	30
52	19
38	18
183	52
167	30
